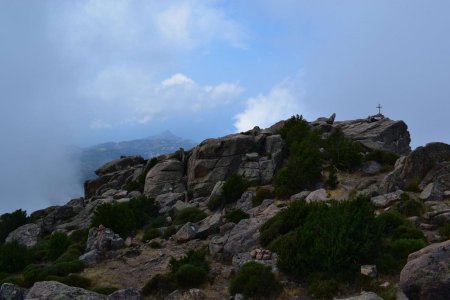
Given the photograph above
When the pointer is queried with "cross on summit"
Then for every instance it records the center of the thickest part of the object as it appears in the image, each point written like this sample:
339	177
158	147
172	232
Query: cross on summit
379	109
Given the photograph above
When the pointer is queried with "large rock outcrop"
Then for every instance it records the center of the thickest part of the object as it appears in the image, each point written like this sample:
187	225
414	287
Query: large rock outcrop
44	290
120	164
26	235
254	155
383	134
426	275
414	168
165	177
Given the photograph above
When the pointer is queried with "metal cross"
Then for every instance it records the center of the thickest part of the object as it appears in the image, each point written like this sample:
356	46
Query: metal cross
379	109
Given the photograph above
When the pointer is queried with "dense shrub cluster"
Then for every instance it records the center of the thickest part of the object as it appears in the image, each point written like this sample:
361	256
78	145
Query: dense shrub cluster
410	207
124	218
187	272
336	238
188	214
232	190
138	185
14	257
343	153
255	281
236	215
383	157
10	222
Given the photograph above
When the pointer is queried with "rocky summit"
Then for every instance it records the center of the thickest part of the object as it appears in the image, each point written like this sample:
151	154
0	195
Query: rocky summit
300	210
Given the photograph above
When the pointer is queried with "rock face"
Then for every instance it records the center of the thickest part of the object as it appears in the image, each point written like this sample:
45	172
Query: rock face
44	290
254	155
126	294
426	275
165	177
365	296
415	167
120	164
26	235
384	134
100	241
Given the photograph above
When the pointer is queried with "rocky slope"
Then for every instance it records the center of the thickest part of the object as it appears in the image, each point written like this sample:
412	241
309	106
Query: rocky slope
194	178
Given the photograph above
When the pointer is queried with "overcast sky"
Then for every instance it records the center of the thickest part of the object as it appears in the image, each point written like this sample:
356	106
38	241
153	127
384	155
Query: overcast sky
77	73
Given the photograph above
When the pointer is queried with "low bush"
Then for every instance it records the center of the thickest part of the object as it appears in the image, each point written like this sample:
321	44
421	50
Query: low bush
71	280
57	245
232	190
190	276
344	153
236	215
150	234
255	281
410	207
79	237
332	180
169	231
124	218
188	214
72	253
14	257
155	245
11	221
105	290
33	272
413	186
160	285
323	288
261	195
444	230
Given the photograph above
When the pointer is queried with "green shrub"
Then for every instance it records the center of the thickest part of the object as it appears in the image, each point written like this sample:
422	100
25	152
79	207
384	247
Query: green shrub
118	217
79	237
387	264
144	209
72	253
150	234
413	186
11	221
57	245
192	257
255	281
408	232
444	230
160	285
14	280
332	180
14	257
169	231
236	215
323	289
261	195
190	276
71	280
410	207
401	248
33	272
188	214
214	203
105	290
124	218
233	188
303	168
332	238
344	153
155	245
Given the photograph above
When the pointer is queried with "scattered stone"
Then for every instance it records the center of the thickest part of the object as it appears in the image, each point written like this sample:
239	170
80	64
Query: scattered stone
103	239
317	196
371	167
109	193
9	291
187	232
369	270
426	274
208	226
56	290
26	235
123	200
91	257
166	201
385	285
365	296
385	200
126	294
301	195
134	194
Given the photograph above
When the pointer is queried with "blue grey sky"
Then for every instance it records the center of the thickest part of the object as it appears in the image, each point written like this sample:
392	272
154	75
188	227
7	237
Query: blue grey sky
84	72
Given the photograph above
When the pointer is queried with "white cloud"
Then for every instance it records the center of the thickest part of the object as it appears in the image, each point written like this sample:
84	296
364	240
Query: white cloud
177	79
128	95
190	24
282	101
99	124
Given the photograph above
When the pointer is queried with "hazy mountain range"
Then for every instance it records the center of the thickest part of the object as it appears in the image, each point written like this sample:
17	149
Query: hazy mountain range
95	156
